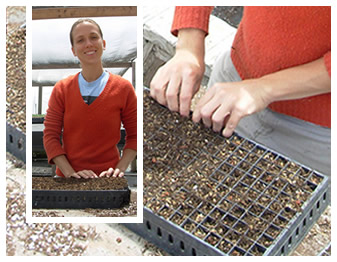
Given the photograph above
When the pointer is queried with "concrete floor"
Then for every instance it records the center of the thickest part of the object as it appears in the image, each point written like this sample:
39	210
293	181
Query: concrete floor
115	239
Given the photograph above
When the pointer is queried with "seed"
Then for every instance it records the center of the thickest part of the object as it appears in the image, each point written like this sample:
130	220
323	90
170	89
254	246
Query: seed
118	240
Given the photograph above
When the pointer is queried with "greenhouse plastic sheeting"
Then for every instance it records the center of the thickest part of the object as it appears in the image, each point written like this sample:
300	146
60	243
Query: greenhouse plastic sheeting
49	77
51	43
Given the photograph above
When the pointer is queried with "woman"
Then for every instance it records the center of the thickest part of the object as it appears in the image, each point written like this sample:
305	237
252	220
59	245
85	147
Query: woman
273	86
90	107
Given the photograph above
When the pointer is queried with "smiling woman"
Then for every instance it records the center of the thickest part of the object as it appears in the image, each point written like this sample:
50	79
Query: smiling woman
90	107
87	43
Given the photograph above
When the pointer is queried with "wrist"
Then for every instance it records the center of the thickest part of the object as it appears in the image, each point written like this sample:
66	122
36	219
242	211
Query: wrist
122	166
126	159
63	164
67	172
267	92
193	41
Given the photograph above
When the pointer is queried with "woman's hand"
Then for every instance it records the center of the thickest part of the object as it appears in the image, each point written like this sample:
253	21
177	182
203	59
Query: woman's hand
225	104
175	83
112	172
67	170
82	174
124	162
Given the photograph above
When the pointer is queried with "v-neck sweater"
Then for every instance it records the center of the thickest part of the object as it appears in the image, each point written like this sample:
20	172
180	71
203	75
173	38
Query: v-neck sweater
90	132
270	39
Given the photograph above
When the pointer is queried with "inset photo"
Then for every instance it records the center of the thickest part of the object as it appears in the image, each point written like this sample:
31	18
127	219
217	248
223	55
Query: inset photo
84	114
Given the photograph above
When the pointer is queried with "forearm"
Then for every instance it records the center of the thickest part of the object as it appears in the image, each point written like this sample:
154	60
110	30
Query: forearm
127	157
297	82
193	41
63	164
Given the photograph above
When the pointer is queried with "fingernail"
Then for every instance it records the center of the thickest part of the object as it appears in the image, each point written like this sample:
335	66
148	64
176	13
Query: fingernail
226	133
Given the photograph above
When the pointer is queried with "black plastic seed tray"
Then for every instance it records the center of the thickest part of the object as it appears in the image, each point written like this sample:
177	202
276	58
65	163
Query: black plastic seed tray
16	142
38	120
326	251
71	199
15	134
207	195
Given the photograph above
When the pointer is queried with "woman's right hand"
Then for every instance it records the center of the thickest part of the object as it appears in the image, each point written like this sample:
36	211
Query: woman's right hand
82	174
175	83
67	170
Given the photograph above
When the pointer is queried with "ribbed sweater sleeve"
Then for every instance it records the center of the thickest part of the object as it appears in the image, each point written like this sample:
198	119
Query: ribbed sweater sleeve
54	124
191	17
129	118
327	61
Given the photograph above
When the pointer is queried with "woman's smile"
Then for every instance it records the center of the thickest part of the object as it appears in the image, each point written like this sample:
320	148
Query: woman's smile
90	52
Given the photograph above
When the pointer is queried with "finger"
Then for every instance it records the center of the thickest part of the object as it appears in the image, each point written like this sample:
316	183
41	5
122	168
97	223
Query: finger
185	97
231	124
172	93
121	174
81	174
116	172
103	174
208	110
196	117
75	175
219	118
158	87
87	174
91	174
153	85
109	172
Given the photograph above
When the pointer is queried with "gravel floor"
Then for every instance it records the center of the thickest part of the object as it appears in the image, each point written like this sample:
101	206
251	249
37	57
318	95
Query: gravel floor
16	68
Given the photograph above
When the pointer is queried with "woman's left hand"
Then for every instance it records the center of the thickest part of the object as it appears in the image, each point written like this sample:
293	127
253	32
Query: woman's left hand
225	104
112	172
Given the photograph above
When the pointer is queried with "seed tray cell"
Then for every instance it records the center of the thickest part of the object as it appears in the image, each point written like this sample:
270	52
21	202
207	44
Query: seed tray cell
208	195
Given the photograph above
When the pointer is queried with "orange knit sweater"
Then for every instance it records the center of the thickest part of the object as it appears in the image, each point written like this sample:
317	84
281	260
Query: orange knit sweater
90	132
270	39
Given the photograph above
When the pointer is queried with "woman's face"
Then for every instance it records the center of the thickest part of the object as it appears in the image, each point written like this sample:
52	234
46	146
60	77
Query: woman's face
88	44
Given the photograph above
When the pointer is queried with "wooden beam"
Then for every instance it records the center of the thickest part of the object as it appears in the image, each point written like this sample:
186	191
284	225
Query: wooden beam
82	11
77	65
